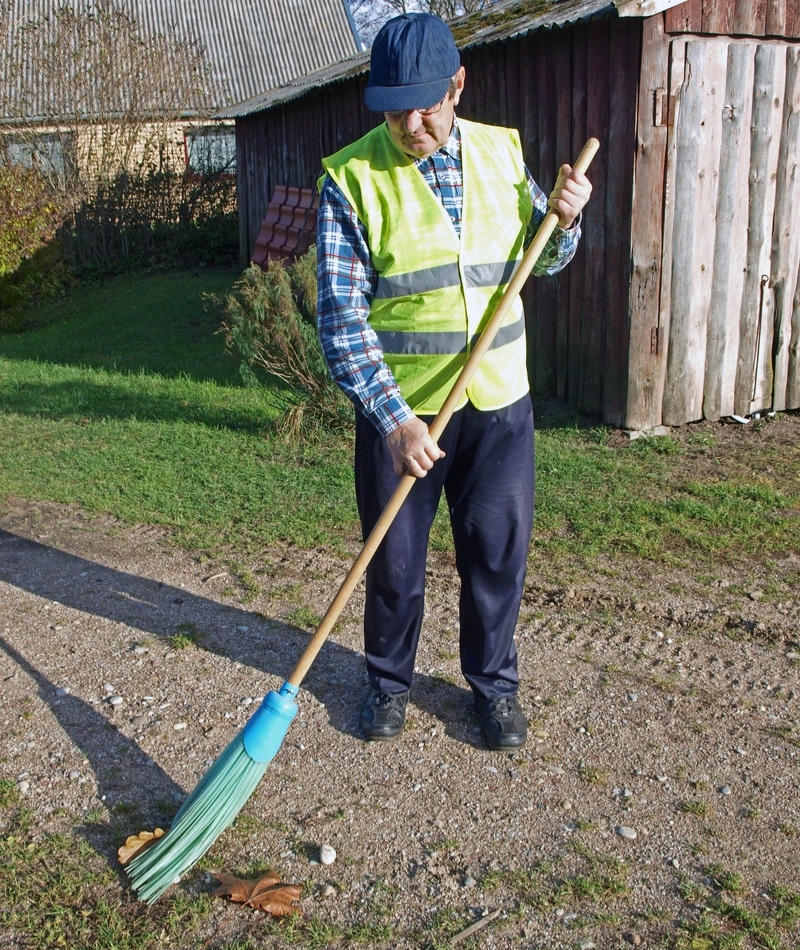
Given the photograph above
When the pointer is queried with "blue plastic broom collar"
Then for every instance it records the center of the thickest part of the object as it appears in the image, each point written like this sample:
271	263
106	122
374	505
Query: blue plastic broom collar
267	727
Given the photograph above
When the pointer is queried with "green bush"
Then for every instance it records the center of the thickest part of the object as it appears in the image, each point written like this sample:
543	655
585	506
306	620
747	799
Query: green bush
29	215
269	320
39	278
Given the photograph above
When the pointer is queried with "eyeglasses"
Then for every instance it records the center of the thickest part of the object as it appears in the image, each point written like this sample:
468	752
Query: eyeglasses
402	113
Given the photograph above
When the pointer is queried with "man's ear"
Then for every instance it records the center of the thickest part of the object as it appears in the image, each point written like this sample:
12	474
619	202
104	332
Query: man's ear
459	77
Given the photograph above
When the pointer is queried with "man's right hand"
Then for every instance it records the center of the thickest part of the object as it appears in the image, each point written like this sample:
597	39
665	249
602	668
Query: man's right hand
413	450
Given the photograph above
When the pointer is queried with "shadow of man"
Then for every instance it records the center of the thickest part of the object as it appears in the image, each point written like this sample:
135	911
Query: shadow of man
159	609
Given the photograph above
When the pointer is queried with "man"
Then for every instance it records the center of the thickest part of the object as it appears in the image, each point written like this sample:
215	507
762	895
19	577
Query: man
421	224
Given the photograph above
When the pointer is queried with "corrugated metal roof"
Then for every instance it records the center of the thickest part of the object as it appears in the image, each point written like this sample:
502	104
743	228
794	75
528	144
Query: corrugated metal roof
496	23
250	45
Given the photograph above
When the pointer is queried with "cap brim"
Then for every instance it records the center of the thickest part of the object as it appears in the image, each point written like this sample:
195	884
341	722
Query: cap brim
397	98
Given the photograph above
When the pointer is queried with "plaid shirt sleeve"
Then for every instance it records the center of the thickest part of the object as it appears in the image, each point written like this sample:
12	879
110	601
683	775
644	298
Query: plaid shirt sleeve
561	247
346	283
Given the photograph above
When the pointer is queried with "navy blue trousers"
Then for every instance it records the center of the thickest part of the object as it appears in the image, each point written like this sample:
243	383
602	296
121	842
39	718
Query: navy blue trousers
488	480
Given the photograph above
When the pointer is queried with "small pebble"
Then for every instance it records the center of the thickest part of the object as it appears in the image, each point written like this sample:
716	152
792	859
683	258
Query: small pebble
327	854
179	726
116	700
725	790
63	691
327	891
24	787
625	832
587	944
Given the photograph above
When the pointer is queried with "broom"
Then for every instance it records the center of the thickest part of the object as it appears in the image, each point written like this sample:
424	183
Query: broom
223	791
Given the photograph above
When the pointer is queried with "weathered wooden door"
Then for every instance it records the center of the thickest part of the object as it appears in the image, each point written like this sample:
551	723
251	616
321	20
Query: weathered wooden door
729	310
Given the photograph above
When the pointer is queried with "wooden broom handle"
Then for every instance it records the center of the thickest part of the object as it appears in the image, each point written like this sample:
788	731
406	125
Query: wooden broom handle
404	486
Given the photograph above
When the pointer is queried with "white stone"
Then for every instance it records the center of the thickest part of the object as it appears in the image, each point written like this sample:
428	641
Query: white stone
327	854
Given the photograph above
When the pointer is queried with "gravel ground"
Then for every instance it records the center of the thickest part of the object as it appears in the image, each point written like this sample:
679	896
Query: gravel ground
664	734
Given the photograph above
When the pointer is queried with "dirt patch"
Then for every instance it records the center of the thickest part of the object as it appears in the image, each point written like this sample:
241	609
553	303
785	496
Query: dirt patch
664	731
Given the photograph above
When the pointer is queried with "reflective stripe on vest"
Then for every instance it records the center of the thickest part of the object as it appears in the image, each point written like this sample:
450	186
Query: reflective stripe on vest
405	343
436	292
446	275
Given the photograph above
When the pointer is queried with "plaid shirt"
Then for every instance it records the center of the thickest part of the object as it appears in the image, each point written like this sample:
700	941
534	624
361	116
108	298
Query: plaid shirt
346	282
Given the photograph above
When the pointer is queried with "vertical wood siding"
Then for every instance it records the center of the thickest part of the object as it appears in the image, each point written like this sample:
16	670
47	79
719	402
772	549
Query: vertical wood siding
786	246
559	87
730	246
646	363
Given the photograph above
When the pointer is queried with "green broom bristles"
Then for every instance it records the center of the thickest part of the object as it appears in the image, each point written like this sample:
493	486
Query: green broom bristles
217	799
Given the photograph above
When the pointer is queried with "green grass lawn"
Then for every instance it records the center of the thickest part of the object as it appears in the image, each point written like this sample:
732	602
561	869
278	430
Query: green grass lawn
129	404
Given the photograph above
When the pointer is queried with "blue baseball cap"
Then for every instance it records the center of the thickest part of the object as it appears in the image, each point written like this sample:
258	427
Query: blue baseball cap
413	58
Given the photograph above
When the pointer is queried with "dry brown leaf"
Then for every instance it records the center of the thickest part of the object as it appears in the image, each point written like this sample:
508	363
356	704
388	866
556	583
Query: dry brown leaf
265	893
135	844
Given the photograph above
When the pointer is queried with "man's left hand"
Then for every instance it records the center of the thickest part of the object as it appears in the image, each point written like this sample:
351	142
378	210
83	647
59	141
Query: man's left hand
571	192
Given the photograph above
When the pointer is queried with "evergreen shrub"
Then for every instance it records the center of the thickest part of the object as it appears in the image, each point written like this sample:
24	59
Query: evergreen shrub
269	321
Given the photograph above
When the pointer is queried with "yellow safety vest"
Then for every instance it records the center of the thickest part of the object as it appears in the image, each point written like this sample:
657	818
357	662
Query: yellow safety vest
435	291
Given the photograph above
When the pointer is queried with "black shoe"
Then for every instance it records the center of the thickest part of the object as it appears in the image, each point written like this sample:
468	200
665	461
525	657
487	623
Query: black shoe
383	714
503	725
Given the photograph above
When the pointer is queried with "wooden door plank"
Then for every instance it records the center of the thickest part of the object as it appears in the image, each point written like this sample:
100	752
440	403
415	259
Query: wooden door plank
692	254
785	232
717	17
763	365
685	18
775	18
758	234
793	373
750	17
646	366
731	235
677	76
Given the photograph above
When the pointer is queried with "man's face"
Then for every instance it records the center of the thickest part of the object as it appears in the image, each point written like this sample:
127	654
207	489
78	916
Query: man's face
420	135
